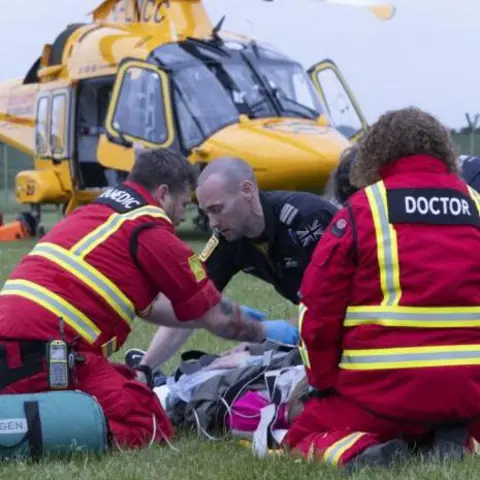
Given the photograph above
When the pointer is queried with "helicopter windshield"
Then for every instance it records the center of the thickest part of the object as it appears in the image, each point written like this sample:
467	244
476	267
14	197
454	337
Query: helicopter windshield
288	81
214	83
292	89
202	104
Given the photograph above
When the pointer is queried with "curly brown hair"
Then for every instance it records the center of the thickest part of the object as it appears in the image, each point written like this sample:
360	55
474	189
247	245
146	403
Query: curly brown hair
339	187
401	133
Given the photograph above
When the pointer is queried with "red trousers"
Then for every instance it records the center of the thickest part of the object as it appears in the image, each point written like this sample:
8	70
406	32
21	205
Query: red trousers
335	430
133	411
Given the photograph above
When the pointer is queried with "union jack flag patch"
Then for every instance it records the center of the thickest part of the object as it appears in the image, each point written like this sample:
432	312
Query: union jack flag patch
310	233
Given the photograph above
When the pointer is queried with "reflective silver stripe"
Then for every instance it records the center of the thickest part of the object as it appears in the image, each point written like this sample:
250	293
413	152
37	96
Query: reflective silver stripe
437	317
387	242
112	225
413	359
91	276
58	306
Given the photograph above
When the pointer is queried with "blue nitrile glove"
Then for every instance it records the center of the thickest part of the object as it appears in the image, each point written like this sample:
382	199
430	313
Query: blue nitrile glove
252	312
281	331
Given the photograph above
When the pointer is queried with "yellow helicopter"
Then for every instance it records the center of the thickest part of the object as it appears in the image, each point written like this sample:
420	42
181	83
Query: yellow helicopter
159	73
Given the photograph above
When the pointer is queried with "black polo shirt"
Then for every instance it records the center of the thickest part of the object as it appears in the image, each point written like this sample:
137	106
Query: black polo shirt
294	223
470	170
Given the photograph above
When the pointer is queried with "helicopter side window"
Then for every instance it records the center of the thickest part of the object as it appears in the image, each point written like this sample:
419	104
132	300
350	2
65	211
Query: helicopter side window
41	132
339	103
58	126
189	125
140	111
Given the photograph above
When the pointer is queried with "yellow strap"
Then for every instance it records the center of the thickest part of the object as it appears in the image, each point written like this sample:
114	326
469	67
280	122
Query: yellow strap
110	347
387	247
475	196
114	222
333	453
98	282
302	347
55	304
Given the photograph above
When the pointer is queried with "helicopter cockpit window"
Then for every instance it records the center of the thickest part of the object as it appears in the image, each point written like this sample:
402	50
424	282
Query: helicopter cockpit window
203	106
342	110
41	132
140	111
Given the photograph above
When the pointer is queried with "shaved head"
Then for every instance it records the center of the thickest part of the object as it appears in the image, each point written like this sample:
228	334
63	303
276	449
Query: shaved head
232	171
227	192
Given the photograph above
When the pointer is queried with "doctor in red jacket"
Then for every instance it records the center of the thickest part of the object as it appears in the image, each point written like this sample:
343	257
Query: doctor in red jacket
390	313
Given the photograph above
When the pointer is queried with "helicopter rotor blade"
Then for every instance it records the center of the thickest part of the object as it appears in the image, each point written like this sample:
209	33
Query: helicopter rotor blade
382	10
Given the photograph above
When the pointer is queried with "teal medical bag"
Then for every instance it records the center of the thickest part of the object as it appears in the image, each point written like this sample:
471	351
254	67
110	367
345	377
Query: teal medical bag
51	423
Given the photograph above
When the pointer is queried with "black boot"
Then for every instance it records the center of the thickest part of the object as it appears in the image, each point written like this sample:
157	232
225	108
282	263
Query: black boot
382	455
449	443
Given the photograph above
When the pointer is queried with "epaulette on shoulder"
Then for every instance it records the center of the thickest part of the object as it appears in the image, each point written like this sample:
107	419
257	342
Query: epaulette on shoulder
288	213
209	247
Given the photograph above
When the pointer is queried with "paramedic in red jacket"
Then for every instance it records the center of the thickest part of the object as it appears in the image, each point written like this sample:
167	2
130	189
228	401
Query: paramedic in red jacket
98	269
390	313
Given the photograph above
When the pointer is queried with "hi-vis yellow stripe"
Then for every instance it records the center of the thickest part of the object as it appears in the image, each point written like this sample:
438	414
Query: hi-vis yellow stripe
114	222
387	248
476	197
55	304
98	282
410	357
333	453
302	348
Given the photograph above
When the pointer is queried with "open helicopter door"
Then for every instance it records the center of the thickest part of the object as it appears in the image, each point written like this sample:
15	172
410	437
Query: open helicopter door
342	106
139	114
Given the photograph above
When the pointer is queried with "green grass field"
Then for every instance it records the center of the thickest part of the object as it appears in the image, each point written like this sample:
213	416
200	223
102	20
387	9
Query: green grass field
198	458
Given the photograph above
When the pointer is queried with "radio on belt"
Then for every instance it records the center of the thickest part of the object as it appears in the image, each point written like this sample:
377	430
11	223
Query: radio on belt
58	362
57	357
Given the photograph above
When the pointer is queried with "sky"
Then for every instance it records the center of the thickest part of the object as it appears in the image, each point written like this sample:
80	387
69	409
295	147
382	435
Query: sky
428	55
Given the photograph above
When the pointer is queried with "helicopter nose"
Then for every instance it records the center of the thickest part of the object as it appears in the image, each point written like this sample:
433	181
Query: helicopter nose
316	159
285	155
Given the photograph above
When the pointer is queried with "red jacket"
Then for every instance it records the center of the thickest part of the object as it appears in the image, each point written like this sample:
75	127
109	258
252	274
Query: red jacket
390	313
99	268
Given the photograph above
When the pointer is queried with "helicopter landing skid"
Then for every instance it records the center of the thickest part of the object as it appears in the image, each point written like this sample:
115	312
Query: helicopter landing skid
35	216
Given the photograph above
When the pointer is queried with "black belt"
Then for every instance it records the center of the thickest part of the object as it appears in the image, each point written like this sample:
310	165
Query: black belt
32	360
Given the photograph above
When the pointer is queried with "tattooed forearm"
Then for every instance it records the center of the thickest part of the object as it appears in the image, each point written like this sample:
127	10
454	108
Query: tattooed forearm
229	323
249	331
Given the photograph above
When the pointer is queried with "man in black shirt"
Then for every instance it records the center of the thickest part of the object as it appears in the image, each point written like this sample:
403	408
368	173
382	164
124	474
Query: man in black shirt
270	235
